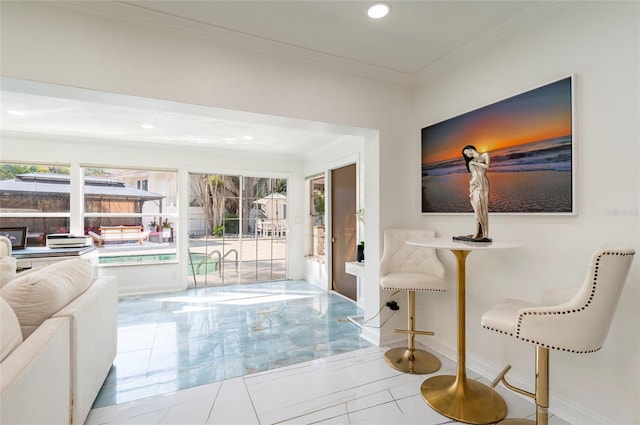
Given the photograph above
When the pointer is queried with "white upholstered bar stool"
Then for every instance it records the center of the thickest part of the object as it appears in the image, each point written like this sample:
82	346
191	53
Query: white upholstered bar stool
571	320
410	268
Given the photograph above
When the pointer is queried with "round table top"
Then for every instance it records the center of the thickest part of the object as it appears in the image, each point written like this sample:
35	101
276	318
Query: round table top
449	243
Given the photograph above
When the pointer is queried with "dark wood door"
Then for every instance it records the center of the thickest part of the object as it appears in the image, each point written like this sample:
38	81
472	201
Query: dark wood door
343	229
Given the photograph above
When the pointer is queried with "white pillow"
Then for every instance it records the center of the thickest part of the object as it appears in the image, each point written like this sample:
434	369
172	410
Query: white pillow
37	296
7	270
10	333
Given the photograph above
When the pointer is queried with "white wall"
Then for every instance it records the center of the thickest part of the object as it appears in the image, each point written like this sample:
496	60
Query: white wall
68	45
598	42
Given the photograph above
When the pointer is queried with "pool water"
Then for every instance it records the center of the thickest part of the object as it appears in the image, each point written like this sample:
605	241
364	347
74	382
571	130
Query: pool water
145	258
206	267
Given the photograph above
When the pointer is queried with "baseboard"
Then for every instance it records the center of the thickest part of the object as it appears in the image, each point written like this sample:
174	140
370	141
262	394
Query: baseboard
125	290
371	335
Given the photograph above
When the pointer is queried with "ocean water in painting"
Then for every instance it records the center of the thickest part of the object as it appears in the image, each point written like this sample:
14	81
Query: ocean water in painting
534	177
553	154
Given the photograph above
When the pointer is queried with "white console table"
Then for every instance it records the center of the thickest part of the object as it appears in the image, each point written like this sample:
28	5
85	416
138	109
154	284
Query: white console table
42	256
356	269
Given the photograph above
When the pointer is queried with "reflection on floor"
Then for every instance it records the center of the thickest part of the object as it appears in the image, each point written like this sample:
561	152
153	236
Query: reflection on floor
170	342
271	353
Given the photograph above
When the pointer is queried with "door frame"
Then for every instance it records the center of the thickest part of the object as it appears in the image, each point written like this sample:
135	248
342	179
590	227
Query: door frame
343	162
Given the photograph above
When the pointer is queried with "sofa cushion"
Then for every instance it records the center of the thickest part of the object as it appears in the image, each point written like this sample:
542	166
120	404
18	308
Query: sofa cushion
7	270
10	333
41	293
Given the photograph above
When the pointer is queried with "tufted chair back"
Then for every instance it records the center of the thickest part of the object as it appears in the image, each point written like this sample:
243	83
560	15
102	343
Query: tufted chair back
405	266
580	324
5	246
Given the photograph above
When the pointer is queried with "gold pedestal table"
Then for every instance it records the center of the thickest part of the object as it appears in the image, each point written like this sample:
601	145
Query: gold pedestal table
455	396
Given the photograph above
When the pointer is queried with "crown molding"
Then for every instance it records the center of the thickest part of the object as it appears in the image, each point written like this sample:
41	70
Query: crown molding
226	37
139	14
484	41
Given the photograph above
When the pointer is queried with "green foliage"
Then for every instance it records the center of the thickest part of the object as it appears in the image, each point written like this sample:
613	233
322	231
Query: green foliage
10	171
95	172
230	223
218	231
280	186
319	203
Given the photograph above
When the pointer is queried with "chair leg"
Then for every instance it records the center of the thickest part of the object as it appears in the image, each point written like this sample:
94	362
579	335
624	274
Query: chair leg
542	385
409	359
541	396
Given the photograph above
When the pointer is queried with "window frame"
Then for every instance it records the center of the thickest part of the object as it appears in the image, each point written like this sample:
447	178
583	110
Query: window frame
313	247
172	217
68	214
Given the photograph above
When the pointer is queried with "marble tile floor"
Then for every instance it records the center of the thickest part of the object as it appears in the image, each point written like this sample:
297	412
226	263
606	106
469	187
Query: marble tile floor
175	341
356	387
268	353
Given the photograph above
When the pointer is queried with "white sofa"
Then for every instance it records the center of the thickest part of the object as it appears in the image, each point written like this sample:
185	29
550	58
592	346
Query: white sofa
52	371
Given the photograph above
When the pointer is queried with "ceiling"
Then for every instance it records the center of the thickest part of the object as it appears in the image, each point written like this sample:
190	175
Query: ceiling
417	40
78	113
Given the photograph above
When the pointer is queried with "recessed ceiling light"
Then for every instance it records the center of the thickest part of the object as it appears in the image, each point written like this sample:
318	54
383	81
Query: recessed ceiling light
147	126
378	10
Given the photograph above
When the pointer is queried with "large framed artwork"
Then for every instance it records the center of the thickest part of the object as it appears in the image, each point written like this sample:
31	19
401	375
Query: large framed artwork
529	138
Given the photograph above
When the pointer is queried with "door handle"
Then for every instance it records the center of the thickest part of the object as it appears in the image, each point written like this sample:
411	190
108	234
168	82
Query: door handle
333	239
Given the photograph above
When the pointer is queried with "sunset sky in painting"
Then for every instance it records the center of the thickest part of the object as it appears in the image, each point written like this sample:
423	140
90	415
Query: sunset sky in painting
536	115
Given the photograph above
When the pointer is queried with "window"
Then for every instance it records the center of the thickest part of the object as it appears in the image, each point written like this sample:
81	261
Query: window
237	229
36	196
317	217
143	184
131	214
144	202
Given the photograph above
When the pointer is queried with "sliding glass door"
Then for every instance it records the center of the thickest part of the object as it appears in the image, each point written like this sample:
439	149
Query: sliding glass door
237	229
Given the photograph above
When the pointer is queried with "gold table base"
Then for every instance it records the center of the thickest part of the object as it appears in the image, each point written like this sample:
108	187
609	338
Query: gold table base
463	400
455	396
419	362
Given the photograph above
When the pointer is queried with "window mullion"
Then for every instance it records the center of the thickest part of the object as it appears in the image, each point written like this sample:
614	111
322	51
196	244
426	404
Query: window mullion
76	199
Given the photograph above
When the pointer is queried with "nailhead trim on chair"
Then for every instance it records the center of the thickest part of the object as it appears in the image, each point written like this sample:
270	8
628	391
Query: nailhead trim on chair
593	290
574	310
497	330
391	288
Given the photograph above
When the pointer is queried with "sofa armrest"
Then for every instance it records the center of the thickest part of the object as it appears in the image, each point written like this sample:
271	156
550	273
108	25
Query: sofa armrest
94	328
34	378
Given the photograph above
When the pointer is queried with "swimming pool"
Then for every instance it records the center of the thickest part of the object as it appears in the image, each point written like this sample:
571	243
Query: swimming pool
142	258
199	265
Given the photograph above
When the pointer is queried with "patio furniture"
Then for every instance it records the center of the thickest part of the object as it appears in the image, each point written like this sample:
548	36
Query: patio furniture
120	234
275	228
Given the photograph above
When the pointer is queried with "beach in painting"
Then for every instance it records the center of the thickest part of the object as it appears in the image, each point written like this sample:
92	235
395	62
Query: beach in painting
534	177
532	192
